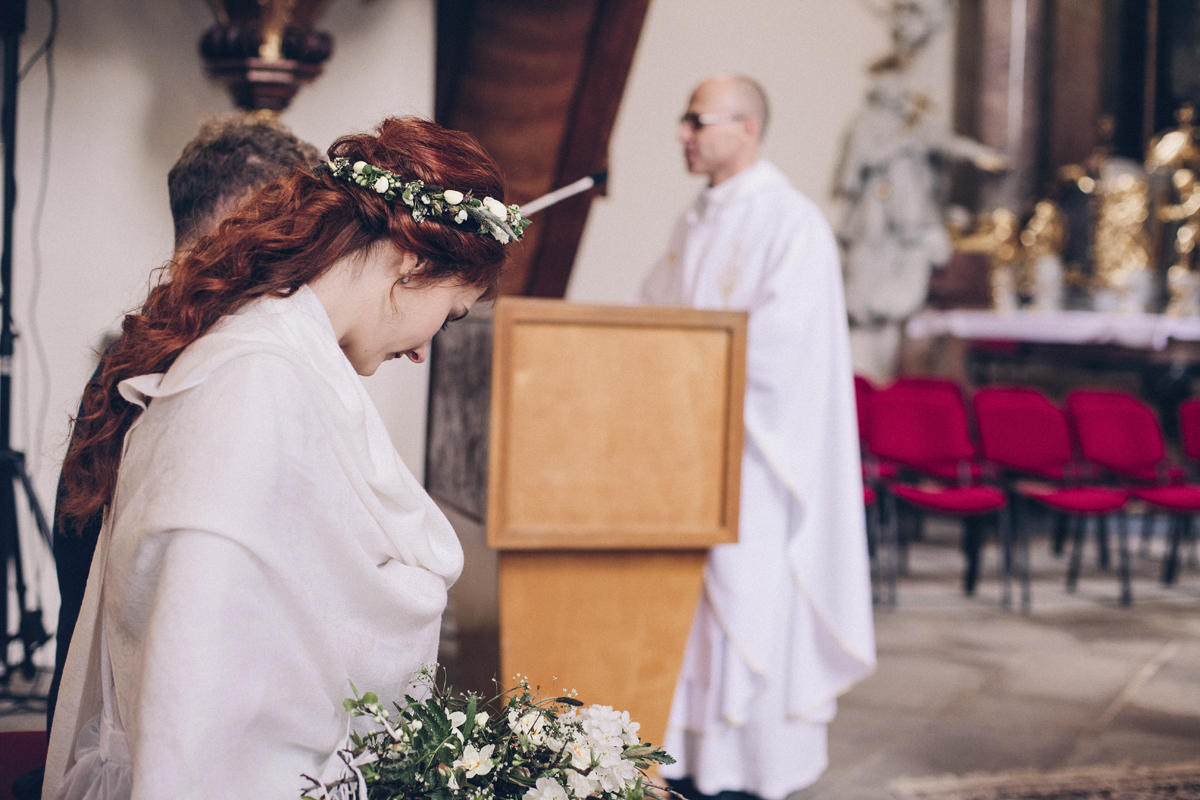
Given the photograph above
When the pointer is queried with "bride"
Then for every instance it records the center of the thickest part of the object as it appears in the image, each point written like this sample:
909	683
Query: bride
264	545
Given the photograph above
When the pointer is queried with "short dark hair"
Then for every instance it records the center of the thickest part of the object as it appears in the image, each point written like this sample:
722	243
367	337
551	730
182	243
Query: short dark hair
231	156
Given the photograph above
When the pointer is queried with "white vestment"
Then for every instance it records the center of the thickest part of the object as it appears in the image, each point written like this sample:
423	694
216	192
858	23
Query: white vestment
784	625
266	546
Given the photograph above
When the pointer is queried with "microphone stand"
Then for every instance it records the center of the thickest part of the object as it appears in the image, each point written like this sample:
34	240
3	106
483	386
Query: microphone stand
31	632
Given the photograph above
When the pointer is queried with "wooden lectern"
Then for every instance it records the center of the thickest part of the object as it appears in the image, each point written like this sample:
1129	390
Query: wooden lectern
614	463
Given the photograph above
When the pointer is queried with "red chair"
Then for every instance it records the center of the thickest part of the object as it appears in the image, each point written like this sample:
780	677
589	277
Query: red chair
1121	434
920	427
969	468
1189	436
873	469
1027	435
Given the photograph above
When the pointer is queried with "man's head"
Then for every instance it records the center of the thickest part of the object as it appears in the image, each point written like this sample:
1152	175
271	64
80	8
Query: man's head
230	158
723	126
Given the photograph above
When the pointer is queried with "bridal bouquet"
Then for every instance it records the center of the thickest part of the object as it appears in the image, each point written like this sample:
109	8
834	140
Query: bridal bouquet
449	747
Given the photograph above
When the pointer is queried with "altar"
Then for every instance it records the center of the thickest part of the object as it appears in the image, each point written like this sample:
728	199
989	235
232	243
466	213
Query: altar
1154	355
1151	332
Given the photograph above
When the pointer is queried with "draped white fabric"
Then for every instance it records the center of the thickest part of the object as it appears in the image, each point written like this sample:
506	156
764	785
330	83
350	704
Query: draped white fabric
266	546
784	625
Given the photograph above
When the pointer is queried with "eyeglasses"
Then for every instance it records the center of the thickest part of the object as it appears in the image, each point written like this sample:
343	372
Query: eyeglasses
698	121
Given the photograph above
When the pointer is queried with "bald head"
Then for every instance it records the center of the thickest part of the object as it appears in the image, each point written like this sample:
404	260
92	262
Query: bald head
745	96
723	126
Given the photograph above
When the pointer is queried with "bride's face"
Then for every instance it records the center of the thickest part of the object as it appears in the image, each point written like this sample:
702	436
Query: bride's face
393	318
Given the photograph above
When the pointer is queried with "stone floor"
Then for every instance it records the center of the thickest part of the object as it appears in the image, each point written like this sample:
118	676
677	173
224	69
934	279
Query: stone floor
963	686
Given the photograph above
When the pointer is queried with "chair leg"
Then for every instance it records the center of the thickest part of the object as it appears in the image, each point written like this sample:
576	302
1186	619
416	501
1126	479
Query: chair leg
1147	532
1123	554
1023	537
972	544
1189	535
908	532
892	548
1062	531
873	547
1103	557
1079	529
1004	526
1171	561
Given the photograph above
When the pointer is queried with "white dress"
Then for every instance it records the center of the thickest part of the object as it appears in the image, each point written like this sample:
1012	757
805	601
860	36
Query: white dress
784	625
266	546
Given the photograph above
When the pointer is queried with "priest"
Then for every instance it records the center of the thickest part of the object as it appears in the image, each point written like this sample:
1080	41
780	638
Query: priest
784	623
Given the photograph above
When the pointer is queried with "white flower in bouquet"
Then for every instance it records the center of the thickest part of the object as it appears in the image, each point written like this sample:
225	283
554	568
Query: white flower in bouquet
475	762
581	785
606	727
615	774
531	725
546	789
580	751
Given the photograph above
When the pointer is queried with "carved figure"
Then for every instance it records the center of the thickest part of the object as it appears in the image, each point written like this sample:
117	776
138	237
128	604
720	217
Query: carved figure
1043	240
894	232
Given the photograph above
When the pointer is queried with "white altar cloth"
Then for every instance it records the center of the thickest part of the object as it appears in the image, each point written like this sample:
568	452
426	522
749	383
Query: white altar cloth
1144	331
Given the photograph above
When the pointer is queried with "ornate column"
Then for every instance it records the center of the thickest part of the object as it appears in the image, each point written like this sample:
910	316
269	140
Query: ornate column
1012	36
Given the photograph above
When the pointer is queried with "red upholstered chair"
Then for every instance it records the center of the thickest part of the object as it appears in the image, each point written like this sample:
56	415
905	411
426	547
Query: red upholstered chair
919	428
1189	435
1189	428
1027	435
955	470
874	470
1121	434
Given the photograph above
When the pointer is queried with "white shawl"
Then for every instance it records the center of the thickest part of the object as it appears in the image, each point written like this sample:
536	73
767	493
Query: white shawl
266	546
755	243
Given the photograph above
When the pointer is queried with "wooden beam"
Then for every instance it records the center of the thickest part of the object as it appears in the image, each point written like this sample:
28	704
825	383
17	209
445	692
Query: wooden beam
615	33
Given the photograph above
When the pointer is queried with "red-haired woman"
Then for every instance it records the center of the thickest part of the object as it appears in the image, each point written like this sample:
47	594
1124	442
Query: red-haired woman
264	545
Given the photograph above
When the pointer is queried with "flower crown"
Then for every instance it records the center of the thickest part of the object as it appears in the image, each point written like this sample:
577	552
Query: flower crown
502	222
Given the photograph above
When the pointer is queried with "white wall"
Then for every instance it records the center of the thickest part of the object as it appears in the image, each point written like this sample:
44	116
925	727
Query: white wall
810	56
130	92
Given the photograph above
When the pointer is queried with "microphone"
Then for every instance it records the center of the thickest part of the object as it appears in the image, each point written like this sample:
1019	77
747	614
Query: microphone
570	190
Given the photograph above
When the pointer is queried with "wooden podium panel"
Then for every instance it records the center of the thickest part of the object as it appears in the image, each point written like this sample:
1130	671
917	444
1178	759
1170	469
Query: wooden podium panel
614	464
610	624
614	426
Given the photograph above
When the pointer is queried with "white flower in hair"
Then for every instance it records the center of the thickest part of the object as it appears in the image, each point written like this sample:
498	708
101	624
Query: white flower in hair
501	222
496	207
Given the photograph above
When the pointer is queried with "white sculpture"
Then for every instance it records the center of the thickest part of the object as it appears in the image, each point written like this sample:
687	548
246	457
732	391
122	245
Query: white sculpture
894	230
893	233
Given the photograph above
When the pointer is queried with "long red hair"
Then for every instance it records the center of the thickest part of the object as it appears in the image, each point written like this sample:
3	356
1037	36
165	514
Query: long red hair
286	235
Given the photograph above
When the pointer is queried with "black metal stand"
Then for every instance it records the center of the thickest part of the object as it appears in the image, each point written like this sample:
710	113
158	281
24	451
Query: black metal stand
31	632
